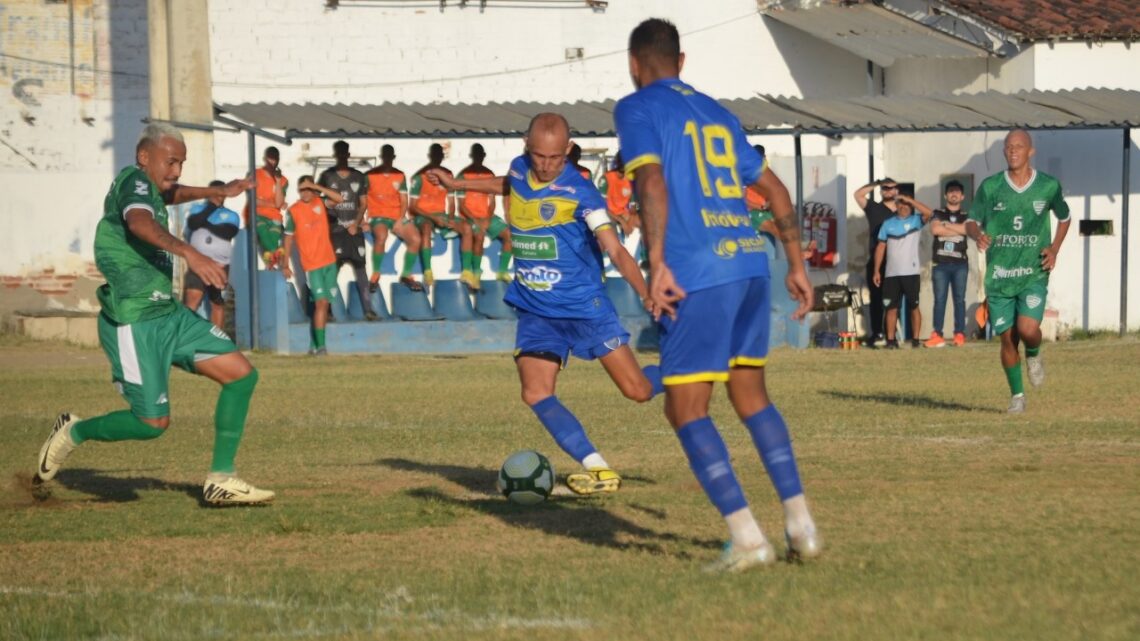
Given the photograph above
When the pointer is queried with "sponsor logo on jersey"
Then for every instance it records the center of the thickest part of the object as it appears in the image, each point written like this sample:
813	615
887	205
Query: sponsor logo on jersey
1015	240
539	278
566	188
724	219
1000	272
216	331
726	248
141	188
1033	301
1000	206
534	247
1039	206
157	296
514	174
546	211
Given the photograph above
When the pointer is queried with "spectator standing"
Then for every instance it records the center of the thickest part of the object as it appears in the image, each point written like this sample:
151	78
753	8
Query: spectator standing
212	228
951	265
877	212
899	238
348	215
574	157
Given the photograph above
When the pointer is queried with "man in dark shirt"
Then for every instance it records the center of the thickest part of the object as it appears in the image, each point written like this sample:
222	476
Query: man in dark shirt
347	218
877	213
951	266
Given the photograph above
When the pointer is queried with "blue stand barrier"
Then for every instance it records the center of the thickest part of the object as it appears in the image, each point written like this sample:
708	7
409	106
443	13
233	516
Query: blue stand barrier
452	301
339	311
376	298
489	300
411	306
625	299
296	310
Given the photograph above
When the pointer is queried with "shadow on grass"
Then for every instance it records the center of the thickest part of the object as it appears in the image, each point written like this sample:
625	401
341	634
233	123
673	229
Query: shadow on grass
581	519
114	489
912	400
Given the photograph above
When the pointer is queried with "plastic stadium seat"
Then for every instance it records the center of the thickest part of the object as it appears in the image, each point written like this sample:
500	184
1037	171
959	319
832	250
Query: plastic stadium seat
296	311
489	300
452	301
376	298
411	306
625	299
339	312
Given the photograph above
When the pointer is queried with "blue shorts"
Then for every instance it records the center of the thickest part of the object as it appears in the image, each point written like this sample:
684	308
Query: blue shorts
557	338
716	329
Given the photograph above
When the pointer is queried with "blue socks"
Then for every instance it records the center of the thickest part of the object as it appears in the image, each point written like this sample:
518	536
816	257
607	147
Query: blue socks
708	458
564	427
653	373
770	435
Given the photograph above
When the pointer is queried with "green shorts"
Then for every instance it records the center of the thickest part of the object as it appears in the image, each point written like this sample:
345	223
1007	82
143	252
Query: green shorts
269	233
322	282
390	223
1029	302
141	355
491	226
444	232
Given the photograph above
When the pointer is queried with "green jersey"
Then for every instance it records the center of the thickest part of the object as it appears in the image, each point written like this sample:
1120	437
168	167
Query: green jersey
138	274
1017	222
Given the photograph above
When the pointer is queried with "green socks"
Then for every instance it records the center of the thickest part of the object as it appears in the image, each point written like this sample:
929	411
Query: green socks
318	337
116	426
504	261
229	421
1031	352
465	260
425	257
1013	375
377	262
409	263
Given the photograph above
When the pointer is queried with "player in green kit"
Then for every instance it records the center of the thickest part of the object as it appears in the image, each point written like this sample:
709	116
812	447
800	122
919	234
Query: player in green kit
144	330
1009	220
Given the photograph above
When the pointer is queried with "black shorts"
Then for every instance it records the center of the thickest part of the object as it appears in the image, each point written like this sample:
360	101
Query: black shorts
213	294
895	287
349	248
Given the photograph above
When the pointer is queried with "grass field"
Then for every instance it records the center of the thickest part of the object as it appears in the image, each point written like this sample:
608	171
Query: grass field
944	517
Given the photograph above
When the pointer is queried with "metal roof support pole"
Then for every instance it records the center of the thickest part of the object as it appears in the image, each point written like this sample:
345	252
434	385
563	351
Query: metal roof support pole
1125	191
251	238
870	137
799	179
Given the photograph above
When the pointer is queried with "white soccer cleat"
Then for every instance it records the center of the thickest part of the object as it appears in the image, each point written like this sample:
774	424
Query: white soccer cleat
1016	404
221	489
1036	370
733	559
57	447
805	545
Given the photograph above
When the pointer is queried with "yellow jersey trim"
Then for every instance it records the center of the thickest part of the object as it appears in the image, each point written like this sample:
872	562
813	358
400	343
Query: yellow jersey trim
534	183
697	377
641	161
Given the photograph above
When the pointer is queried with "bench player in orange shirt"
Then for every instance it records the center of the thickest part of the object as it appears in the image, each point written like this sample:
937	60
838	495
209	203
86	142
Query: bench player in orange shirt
478	212
433	208
270	193
307	224
387	209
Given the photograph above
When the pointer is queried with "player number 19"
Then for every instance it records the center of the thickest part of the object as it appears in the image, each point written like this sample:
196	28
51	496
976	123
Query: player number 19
712	145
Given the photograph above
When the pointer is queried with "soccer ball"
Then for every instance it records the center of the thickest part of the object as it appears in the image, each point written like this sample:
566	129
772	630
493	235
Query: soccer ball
526	477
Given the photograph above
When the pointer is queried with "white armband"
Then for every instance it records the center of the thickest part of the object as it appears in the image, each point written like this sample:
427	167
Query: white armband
597	218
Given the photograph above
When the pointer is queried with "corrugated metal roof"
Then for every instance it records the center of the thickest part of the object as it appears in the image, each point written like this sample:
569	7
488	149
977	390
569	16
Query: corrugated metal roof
1080	109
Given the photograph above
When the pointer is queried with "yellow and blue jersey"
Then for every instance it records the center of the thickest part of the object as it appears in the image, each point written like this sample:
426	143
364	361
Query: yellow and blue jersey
707	163
558	264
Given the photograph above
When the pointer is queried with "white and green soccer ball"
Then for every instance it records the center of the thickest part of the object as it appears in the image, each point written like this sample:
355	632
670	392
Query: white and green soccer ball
526	477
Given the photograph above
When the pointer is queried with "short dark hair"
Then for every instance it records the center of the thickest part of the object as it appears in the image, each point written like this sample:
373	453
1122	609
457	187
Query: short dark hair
339	145
435	148
272	152
952	185
655	38
387	149
760	148
217	183
477	150
891	181
303	179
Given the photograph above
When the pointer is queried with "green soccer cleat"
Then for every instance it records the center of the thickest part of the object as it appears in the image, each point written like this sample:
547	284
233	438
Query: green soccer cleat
597	481
733	559
57	447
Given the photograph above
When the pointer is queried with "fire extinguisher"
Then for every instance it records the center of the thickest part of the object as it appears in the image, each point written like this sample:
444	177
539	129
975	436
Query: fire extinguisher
824	229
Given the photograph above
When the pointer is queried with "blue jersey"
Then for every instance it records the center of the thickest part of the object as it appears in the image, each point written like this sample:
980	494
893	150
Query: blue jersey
558	264
707	162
